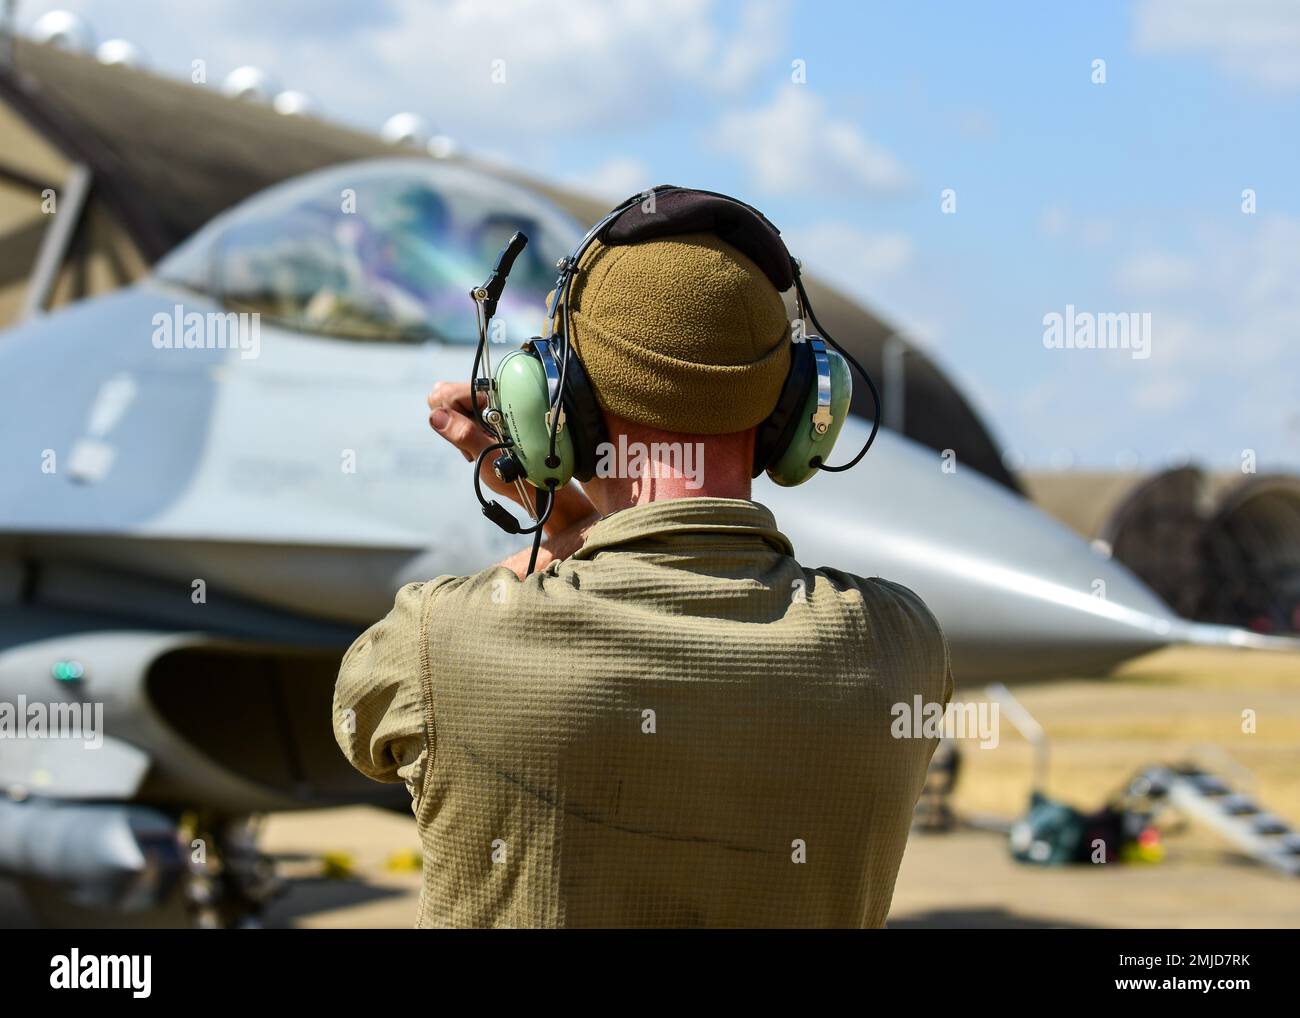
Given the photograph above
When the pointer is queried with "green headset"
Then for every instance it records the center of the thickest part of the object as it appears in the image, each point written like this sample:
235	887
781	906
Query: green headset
542	409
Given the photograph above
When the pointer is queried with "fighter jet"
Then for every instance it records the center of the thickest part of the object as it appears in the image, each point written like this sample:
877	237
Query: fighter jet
214	478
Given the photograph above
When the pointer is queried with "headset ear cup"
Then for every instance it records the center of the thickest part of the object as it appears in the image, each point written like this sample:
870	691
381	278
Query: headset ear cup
524	397
584	419
808	448
772	436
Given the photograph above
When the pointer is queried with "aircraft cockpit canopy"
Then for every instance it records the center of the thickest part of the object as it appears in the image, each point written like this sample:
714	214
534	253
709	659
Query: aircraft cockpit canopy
383	250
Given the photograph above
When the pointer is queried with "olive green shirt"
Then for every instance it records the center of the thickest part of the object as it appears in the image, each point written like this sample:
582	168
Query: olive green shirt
678	725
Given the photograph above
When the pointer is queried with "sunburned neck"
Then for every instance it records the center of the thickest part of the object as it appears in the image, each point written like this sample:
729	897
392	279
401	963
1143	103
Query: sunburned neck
640	465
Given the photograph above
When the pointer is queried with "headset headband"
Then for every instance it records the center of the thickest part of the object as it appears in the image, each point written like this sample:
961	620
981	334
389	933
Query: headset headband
668	210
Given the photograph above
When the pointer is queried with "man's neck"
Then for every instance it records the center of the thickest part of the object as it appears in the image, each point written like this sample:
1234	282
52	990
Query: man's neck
641	465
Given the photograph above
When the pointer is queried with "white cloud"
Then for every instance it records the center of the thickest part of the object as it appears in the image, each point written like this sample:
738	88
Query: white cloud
1162	394
1155	272
856	261
1225	352
1228	297
1225	327
795	146
1253	39
877	268
759	36
615	179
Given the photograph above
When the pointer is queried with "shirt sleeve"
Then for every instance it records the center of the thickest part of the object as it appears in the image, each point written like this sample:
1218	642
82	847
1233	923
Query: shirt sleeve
947	670
927	644
379	720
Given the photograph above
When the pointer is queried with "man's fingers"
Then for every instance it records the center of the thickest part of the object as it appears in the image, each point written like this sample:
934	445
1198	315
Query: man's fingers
453	395
451	417
447	393
459	430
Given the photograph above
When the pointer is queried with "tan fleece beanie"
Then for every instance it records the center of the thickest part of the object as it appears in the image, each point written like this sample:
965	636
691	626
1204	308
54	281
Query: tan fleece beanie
683	333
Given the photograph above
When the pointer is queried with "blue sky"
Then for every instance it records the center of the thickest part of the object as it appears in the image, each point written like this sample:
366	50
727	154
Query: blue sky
1123	196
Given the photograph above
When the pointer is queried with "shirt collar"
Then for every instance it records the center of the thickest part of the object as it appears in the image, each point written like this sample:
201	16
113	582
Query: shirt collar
731	516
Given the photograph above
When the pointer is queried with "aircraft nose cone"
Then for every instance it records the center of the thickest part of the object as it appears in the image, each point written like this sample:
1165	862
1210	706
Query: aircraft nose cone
1016	592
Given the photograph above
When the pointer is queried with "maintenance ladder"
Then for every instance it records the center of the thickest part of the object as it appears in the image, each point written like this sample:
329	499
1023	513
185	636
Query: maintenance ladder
1203	797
